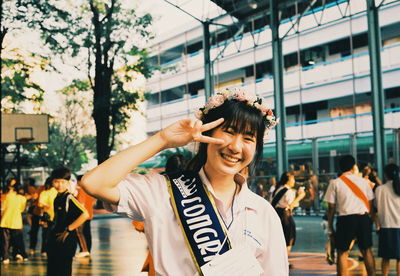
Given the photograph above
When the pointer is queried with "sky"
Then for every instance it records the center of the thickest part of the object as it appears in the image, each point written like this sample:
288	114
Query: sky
169	18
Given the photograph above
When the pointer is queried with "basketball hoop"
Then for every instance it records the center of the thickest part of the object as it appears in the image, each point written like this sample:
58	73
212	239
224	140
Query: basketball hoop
24	141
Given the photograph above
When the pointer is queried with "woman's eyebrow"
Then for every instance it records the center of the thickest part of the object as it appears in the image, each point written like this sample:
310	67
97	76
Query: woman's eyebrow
250	133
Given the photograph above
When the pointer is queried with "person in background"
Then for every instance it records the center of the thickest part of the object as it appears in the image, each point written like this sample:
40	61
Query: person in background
174	163
84	232
308	201
272	187
46	203
69	215
284	200
366	173
34	212
351	196
11	222
375	179
388	205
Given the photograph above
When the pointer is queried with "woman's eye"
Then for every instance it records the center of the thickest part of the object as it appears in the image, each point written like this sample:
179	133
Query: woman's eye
230	131
249	138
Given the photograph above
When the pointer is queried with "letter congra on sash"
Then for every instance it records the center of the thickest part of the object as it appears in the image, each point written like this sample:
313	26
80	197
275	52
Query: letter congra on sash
198	217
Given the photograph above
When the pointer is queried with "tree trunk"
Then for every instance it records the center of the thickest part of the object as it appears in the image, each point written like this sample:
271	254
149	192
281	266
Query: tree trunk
101	111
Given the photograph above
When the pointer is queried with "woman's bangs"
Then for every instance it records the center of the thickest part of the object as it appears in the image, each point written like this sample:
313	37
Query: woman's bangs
244	122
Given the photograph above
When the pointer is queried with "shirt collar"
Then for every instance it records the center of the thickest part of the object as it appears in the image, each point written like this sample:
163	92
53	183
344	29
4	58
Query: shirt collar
243	199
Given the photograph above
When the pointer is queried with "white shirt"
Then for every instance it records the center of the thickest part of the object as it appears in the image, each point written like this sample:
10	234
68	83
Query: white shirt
347	203
146	197
287	198
388	205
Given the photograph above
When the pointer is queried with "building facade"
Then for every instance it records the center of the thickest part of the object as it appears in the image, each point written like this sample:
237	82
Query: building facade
326	79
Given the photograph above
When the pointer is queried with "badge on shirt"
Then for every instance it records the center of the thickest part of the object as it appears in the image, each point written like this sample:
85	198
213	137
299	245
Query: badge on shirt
237	261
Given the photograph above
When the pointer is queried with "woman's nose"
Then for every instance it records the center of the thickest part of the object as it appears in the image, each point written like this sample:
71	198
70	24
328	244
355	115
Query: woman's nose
235	144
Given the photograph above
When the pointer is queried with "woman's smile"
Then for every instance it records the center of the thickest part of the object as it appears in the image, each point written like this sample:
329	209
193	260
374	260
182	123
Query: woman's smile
230	158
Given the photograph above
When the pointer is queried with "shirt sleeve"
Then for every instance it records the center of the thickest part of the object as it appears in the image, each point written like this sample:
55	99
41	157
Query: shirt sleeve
140	195
369	191
42	198
330	196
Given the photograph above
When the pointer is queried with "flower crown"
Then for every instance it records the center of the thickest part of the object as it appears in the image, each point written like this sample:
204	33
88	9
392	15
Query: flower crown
240	95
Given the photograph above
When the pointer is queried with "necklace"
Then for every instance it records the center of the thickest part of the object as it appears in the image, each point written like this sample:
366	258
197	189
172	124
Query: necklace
233	201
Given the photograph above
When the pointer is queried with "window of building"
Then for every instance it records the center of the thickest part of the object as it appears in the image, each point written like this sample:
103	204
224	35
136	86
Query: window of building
194	47
171	54
194	87
153	98
312	56
290	60
172	94
263	68
392	93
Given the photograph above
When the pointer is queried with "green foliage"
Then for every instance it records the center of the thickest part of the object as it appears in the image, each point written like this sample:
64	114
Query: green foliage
70	133
62	150
16	83
103	35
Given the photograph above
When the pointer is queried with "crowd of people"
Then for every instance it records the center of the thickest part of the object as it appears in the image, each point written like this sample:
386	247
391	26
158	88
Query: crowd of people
61	211
194	214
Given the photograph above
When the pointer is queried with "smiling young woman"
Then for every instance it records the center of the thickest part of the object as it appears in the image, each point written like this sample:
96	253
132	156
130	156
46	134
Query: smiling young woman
202	220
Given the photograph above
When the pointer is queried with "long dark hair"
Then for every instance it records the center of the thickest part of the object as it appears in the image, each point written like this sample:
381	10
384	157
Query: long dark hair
174	163
392	173
240	115
282	181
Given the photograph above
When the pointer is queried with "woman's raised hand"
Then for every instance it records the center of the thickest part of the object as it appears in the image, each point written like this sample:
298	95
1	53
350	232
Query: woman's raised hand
185	131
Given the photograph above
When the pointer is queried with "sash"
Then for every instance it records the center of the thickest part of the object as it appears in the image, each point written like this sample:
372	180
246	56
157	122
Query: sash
198	218
356	190
278	197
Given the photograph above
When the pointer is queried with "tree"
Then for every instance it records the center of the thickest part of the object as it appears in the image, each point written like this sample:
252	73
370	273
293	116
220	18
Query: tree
71	134
17	66
17	85
105	35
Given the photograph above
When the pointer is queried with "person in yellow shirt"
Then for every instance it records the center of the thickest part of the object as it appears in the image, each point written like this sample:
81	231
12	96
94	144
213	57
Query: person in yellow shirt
11	222
46	203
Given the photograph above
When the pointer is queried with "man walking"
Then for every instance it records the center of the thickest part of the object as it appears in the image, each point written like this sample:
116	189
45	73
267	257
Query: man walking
350	195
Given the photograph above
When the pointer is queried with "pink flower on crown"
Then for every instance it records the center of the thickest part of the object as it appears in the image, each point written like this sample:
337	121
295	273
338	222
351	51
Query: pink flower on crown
264	109
216	100
240	95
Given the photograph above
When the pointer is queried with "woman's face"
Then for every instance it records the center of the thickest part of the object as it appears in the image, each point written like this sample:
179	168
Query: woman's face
60	184
231	157
291	180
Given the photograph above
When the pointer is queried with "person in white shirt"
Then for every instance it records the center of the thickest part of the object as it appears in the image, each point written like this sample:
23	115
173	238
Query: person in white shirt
230	129
351	196
284	200
388	205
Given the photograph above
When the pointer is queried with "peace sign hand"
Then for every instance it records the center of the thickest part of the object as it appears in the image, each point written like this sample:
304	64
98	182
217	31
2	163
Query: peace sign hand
185	131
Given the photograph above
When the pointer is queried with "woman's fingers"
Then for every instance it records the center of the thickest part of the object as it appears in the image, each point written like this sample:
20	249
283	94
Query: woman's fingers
209	140
212	124
199	127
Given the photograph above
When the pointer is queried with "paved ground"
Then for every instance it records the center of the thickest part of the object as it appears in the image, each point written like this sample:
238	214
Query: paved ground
119	250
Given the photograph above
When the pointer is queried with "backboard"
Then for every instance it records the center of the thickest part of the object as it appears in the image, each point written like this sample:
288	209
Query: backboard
18	128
